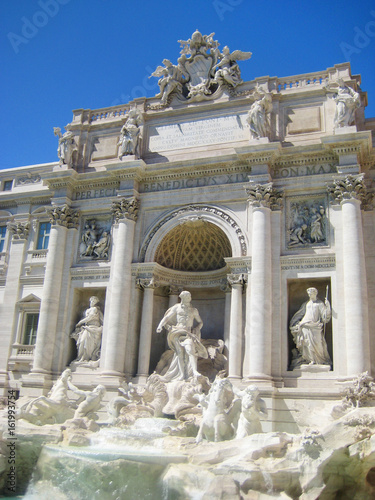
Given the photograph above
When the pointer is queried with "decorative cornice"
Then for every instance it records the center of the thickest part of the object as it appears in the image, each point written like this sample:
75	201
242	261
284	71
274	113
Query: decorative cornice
348	188
63	216
125	209
180	279
264	196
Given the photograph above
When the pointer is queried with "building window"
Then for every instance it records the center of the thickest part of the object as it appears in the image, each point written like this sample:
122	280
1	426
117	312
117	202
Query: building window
31	326
43	235
3	230
7	186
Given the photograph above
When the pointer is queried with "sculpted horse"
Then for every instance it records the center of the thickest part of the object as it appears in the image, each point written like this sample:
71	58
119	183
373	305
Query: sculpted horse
220	414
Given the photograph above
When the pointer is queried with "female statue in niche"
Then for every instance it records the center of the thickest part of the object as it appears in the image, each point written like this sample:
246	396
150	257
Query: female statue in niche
88	333
306	327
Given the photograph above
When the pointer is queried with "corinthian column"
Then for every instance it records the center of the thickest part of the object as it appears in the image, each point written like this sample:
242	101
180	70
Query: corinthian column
146	329
62	219
116	322
258	338
351	192
235	328
20	233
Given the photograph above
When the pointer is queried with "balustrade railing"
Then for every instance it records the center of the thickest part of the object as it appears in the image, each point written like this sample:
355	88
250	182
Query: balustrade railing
108	113
307	80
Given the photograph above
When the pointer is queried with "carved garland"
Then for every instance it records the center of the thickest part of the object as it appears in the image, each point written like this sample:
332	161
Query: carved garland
197	208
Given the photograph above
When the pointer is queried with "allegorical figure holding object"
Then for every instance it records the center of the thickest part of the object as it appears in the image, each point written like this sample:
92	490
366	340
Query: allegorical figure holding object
307	328
183	339
88	333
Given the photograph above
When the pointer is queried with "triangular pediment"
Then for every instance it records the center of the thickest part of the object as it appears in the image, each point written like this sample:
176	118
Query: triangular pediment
30	298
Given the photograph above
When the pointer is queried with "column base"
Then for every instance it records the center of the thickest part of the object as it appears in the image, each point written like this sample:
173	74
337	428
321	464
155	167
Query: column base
260	379
111	380
140	379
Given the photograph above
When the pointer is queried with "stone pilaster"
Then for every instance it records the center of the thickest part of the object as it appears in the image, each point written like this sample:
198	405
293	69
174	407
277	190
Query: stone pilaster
263	198
62	220
19	232
236	281
116	323
228	296
145	337
351	192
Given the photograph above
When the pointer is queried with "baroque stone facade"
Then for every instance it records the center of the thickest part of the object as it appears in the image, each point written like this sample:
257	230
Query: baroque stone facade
246	194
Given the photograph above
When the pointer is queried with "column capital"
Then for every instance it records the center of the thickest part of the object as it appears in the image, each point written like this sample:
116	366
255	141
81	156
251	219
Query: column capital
63	216
351	187
19	230
264	196
147	283
236	279
125	209
174	290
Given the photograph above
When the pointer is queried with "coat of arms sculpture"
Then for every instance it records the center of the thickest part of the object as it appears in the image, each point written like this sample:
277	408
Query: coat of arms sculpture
202	72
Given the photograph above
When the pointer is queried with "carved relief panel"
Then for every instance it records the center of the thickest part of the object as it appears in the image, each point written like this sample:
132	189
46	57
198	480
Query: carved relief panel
95	238
306	221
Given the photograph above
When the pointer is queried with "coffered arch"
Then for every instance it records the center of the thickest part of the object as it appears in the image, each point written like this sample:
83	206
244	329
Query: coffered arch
178	223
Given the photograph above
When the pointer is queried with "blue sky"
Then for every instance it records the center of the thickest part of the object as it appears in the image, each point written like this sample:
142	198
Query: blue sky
60	55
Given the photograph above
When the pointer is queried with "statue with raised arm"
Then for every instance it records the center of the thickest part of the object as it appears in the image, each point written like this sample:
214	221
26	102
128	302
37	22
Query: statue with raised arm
227	69
88	333
66	146
91	403
170	80
183	339
306	327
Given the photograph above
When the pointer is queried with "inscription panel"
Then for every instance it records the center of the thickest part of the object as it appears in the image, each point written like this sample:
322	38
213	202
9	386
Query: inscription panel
197	133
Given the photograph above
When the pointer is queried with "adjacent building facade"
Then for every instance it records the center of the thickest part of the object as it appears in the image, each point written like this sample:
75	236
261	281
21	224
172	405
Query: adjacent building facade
246	194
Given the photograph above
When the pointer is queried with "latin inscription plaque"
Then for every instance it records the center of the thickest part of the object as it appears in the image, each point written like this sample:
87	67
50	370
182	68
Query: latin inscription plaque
222	129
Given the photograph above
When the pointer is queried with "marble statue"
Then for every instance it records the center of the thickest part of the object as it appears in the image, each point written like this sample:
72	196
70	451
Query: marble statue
91	403
183	339
227	69
258	115
88	333
347	100
66	147
307	329
170	81
53	408
221	409
131	134
252	408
